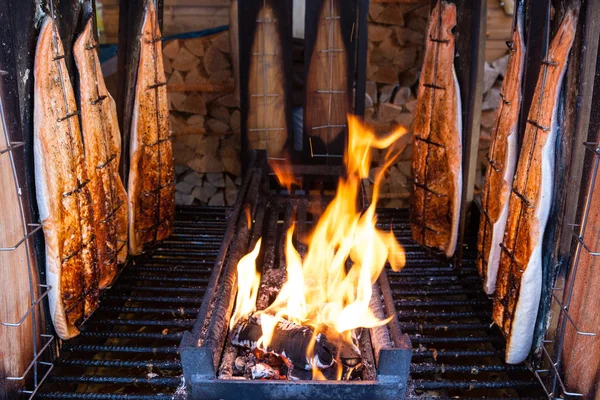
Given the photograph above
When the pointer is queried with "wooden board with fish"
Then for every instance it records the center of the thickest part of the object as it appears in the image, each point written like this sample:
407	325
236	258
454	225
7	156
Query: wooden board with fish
437	142
63	194
151	196
502	161
518	285
102	143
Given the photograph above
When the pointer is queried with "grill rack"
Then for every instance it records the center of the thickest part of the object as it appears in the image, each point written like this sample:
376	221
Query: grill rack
128	349
457	350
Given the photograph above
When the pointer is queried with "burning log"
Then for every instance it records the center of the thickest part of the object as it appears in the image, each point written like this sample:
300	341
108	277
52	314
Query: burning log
289	340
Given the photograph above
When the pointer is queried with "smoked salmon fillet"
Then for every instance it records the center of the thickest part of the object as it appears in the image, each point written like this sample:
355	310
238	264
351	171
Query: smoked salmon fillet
102	143
502	162
437	142
62	189
151	191
518	286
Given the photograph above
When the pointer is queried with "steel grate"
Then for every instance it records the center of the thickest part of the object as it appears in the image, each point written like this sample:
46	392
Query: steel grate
128	349
457	351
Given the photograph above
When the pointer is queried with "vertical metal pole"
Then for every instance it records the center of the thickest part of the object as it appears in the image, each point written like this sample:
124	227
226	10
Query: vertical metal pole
473	116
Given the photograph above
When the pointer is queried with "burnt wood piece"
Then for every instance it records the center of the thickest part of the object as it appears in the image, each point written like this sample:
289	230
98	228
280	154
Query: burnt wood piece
329	67
437	143
265	59
151	182
189	348
289	340
502	161
216	332
518	286
62	191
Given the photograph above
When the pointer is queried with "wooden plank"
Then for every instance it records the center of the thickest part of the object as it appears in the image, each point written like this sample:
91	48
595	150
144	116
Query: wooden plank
329	69
581	366
265	68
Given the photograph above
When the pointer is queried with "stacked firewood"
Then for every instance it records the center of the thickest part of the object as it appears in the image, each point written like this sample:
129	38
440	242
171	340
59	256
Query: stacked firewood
205	119
395	55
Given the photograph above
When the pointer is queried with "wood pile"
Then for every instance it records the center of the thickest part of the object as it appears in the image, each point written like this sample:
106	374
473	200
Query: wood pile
205	119
395	55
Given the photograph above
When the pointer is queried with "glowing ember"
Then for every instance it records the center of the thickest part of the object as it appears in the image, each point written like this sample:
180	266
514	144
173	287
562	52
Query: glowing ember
330	289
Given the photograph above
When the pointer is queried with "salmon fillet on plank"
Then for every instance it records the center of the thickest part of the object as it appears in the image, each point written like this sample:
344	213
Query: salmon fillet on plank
518	286
437	142
62	189
101	138
502	162
151	192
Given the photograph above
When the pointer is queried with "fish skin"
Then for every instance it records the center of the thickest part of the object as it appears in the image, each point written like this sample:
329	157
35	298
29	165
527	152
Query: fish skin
437	164
101	138
63	197
518	286
503	161
151	192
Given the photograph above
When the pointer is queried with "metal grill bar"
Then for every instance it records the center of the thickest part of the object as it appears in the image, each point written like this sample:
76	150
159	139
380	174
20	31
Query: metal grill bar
142	318
79	362
158	381
469	369
103	396
456	348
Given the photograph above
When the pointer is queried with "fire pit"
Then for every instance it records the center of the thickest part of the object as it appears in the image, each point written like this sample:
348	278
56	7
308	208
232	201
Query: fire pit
267	335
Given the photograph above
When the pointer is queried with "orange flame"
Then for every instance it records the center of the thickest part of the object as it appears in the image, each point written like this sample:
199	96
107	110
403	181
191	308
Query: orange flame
284	172
330	289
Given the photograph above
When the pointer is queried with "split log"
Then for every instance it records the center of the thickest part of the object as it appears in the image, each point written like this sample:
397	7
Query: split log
185	61
195	46
291	340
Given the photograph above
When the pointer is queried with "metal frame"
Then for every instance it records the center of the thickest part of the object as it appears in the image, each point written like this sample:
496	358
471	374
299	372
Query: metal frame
35	300
578	232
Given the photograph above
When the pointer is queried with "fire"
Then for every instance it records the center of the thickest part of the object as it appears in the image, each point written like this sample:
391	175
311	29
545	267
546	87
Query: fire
284	173
248	282
330	289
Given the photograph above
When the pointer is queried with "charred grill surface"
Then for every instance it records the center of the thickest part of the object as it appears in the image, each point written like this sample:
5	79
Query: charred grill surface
128	348
457	351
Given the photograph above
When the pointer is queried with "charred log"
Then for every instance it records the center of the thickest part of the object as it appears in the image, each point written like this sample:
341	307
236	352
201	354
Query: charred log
289	340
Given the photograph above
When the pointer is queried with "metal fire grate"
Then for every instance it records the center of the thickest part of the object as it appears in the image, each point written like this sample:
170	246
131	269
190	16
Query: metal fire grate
128	348
457	351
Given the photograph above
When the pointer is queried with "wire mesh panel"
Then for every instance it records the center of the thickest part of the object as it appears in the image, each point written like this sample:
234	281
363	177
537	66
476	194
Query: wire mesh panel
38	369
